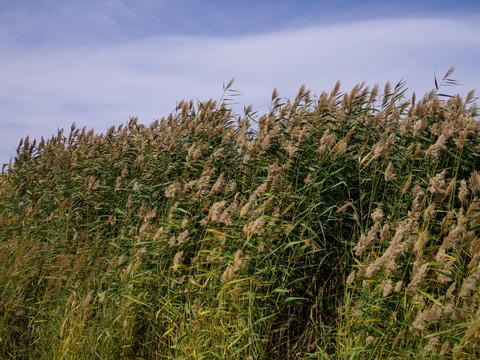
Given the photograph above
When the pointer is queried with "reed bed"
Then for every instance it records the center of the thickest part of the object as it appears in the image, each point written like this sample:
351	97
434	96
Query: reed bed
343	226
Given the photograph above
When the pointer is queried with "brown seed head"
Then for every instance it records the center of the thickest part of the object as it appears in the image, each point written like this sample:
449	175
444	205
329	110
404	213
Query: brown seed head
475	181
216	211
177	260
463	191
434	150
437	184
174	190
387	287
377	215
256	228
389	174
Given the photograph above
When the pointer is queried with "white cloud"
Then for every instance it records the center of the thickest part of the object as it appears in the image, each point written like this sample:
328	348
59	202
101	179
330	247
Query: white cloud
46	87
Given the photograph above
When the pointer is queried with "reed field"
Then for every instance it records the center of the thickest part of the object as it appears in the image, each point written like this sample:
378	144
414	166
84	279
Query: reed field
342	226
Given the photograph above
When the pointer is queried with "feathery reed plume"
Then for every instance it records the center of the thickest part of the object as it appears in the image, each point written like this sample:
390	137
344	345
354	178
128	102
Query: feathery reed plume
177	260
182	237
396	248
409	151
219	184
274	174
463	192
327	140
256	227
475	181
434	150
309	178
238	263
87	299
389	174
247	211
406	186
378	214
366	240
351	277
259	191
419	127
379	148
174	190
417	277
437	184
216	211
158	234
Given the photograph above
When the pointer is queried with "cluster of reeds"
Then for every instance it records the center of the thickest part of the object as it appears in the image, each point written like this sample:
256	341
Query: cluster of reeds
414	288
339	226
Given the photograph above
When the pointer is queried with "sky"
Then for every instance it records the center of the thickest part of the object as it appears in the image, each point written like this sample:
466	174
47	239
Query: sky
96	63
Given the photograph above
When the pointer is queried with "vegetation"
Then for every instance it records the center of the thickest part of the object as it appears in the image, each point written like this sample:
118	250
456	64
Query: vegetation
340	227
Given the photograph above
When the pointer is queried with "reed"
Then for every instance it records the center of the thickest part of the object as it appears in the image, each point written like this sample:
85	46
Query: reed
339	226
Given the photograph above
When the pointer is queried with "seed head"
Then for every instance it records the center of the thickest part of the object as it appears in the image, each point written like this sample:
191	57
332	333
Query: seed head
118	183
158	234
327	140
351	277
431	343
434	150
419	127
437	184
309	178
389	174
238	263
406	186
216	211
366	240
258	192
87	299
256	228
409	151
230	186
377	215
369	340
101	297
182	237
174	190
387	287
417	191
475	181
378	149
247	210
177	260
219	184
450	290
417	278
274	173
463	191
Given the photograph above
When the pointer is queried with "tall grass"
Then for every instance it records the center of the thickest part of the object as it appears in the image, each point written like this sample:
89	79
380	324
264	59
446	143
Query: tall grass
343	226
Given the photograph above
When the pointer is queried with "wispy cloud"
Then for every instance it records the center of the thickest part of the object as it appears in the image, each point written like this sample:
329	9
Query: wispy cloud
50	86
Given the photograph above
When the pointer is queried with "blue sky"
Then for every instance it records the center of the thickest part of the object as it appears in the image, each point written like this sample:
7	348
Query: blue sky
96	63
